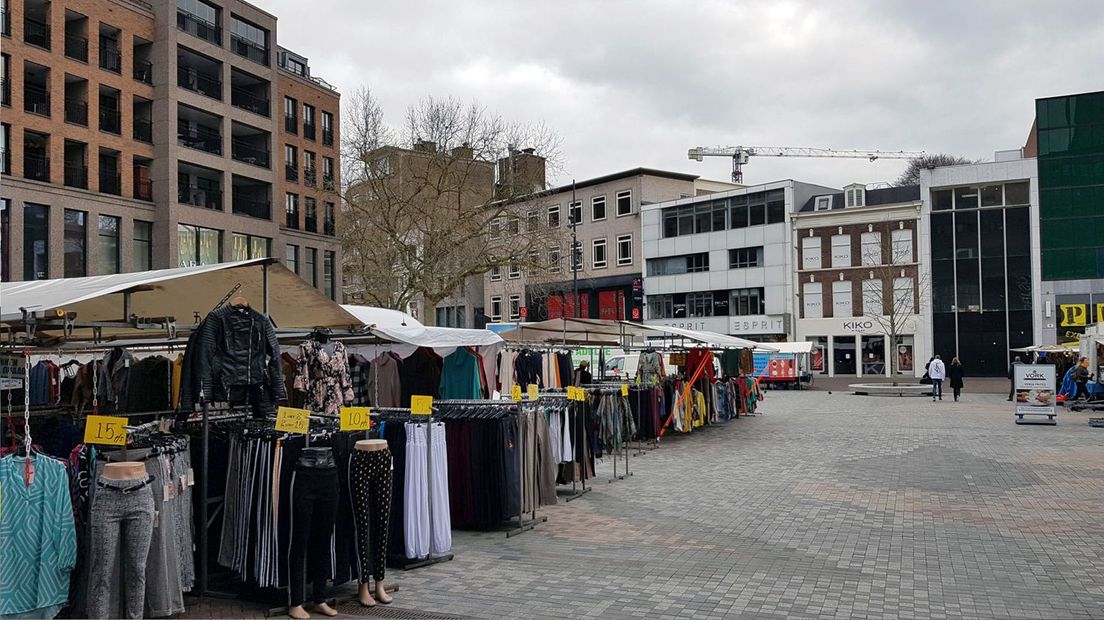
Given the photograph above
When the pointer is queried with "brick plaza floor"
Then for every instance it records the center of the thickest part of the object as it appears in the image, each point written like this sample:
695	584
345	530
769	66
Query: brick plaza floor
825	506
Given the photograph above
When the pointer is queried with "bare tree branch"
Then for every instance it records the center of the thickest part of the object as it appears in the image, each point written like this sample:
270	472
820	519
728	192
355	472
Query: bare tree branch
911	174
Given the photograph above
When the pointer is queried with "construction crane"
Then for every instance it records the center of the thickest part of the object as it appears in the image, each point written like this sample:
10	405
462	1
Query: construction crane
740	154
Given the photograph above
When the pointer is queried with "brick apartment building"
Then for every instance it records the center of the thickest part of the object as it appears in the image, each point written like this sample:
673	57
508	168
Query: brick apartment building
141	136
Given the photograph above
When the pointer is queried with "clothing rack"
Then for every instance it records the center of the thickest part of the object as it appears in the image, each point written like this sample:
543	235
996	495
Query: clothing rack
523	524
613	389
576	492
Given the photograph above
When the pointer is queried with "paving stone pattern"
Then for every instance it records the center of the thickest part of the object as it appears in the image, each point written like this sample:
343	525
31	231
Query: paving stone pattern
825	506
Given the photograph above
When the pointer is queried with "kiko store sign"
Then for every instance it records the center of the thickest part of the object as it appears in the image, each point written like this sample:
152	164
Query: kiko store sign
733	325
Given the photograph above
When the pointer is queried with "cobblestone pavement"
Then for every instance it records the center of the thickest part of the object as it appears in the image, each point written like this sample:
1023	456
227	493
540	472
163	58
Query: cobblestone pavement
825	506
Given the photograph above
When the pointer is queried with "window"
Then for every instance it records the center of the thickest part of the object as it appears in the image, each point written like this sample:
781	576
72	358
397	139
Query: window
872	298
661	307
496	308
699	304
515	307
76	235
143	245
855	197
841	250
577	256
554	216
823	203
598	254
291	210
597	208
674	265
200	19
310	215
554	259
742	258
309	171
903	299
328	263
532	221
495	230
291	110
308	121
902	246
624	250
871	248
513	271
5	240
576	213
776	206
329	224
308	266
248	40
533	258
198	246
496	273
291	258
624	203
327	128
328	179
513	225
5	148
812	294
291	163
108	238
746	302
245	247
757	209
810	252
841	298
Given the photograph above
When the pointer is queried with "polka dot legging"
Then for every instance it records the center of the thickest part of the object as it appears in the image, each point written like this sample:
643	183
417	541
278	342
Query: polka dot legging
370	486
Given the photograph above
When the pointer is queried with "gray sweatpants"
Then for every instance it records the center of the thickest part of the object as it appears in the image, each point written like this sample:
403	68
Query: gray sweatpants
122	527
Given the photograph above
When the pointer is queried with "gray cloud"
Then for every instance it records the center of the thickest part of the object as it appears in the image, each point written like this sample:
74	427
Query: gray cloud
637	83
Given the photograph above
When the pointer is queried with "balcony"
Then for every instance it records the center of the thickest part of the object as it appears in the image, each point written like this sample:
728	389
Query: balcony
111	121
110	183
36	167
248	49
246	100
291	123
111	58
76	47
291	219
310	177
143	189
199	137
308	130
198	27
328	228
199	82
244	204
327	137
36	99
291	173
76	175
243	151
200	197
143	130
328	183
143	71
36	32
76	112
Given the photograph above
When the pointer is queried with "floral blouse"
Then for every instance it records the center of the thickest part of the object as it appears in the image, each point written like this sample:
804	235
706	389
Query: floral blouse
323	377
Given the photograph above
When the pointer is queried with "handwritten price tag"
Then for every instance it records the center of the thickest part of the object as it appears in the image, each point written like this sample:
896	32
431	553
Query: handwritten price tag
515	393
421	405
624	389
356	418
291	420
534	391
105	429
581	394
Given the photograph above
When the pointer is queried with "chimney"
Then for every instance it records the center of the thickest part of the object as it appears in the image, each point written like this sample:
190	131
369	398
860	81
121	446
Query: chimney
465	151
425	146
520	173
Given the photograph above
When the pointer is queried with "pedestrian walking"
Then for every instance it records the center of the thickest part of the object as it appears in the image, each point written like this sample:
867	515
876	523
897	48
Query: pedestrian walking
955	374
1081	376
582	374
1012	377
938	372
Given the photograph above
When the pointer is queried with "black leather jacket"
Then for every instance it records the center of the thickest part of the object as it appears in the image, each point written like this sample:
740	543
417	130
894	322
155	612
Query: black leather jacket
237	346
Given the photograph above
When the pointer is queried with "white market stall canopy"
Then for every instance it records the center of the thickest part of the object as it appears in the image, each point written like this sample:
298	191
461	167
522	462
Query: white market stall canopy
400	327
381	317
179	293
793	347
618	333
713	339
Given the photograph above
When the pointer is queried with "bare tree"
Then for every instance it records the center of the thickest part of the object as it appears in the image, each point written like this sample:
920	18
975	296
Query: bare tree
911	174
422	220
893	293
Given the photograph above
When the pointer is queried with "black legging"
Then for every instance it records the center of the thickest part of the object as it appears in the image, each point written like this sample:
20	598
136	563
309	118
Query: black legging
313	513
1082	388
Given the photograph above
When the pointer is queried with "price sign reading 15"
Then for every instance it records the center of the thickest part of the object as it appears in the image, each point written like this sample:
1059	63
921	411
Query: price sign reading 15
105	429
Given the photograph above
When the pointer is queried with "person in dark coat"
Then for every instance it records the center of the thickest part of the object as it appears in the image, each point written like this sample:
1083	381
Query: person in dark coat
955	374
1012	377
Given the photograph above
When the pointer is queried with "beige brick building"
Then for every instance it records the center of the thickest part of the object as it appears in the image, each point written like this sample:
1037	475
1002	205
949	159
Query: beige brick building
141	136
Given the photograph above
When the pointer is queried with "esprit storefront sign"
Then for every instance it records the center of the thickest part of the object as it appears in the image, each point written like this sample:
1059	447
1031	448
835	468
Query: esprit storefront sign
733	325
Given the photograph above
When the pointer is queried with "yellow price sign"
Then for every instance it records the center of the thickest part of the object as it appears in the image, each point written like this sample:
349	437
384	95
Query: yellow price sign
105	429
581	394
624	389
356	418
534	391
421	405
571	392
515	393
291	420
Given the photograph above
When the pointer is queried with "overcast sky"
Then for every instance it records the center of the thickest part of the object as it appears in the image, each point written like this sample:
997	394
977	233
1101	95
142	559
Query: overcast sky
630	84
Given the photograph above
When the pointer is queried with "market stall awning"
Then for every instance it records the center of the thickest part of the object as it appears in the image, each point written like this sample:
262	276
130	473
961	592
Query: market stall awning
713	339
793	347
381	317
181	293
618	333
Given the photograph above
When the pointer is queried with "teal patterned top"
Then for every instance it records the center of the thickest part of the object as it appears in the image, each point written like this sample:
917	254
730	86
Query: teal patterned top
38	542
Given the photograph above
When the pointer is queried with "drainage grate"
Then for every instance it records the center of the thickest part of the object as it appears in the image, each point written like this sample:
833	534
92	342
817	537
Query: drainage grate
356	610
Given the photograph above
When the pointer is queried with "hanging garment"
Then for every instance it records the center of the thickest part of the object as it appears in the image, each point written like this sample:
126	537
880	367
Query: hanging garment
288	367
421	375
730	362
506	371
323	377
384	386
460	376
234	347
440	518
359	367
150	383
370	486
114	380
528	369
700	358
122	530
38	546
416	499
177	368
649	367
314	493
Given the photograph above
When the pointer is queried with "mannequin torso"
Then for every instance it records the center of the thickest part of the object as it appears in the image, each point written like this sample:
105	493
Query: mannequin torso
371	445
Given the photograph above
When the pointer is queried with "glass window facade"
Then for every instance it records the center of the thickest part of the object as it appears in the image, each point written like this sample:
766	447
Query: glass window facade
108	237
196	245
981	274
1071	185
36	242
143	245
753	209
76	239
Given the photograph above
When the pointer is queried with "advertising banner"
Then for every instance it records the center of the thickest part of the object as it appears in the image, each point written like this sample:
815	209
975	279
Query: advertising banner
780	366
1034	389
